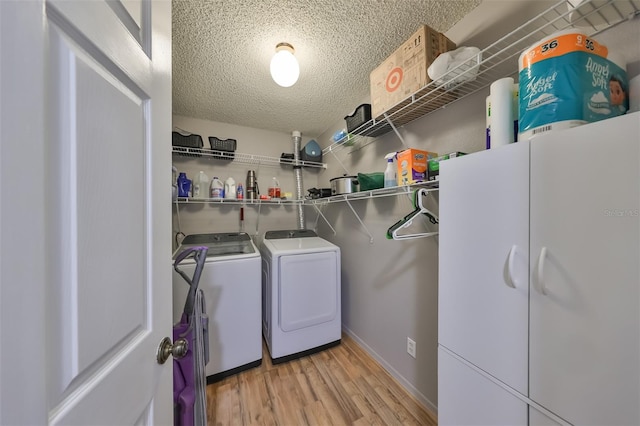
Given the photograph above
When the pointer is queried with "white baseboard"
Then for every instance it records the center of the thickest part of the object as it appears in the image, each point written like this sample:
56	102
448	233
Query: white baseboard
394	373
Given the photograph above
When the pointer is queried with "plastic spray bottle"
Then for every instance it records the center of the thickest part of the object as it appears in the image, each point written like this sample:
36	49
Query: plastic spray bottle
390	171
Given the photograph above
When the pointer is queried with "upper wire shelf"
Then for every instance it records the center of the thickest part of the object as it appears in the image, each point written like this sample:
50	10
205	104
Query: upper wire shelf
494	62
238	157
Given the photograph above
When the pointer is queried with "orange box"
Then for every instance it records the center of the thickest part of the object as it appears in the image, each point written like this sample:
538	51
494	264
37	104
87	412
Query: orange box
412	166
404	72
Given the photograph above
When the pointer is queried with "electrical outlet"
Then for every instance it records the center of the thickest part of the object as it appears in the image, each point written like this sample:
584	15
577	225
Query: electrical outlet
411	347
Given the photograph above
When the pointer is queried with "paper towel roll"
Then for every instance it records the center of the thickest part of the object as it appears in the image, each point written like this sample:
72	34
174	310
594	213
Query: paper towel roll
501	93
487	115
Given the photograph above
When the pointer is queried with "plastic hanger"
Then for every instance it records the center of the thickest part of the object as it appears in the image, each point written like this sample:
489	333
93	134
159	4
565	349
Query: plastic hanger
407	221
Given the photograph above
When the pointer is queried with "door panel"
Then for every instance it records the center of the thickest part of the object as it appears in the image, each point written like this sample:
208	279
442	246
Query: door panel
586	329
103	273
103	148
466	397
308	290
484	220
538	418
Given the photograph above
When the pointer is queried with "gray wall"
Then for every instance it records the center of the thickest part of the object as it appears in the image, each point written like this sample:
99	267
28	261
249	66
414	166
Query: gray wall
390	287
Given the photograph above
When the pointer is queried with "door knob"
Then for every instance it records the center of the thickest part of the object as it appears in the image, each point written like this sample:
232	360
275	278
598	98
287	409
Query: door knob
165	348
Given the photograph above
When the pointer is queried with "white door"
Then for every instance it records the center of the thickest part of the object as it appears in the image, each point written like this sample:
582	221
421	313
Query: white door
585	246
86	280
483	266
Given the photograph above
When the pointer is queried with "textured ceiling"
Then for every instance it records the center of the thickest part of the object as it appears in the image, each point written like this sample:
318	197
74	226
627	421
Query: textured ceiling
222	50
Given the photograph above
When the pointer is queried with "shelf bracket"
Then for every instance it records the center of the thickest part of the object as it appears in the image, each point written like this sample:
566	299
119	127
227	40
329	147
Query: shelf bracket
360	220
258	219
386	117
340	162
323	217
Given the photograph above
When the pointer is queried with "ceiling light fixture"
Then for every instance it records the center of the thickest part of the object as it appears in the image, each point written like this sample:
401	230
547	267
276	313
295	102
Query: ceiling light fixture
284	66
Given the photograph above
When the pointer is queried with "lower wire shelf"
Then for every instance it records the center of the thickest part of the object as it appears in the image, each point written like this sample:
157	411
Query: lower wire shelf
319	203
362	195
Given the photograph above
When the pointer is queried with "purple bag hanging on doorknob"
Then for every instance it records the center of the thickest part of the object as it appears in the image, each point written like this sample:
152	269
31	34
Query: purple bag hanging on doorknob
184	185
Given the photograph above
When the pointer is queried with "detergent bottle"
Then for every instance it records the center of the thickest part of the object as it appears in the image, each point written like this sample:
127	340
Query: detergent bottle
184	185
201	186
217	188
390	171
230	188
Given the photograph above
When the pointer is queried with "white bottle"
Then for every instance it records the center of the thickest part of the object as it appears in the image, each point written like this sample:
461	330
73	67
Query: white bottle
230	188
217	188
390	171
201	186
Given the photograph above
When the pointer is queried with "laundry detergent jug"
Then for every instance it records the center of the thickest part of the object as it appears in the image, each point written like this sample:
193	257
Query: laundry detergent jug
184	185
201	186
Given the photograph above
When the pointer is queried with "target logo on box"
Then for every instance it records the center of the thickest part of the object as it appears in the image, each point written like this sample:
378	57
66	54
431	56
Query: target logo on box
394	79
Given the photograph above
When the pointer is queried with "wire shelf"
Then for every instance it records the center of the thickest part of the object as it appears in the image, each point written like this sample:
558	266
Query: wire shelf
244	202
246	158
362	195
378	193
495	61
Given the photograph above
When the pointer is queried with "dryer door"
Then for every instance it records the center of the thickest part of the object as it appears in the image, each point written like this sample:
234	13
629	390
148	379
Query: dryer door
309	290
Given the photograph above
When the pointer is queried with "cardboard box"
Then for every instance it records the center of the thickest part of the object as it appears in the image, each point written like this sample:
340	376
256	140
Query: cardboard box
446	44
433	172
412	166
405	71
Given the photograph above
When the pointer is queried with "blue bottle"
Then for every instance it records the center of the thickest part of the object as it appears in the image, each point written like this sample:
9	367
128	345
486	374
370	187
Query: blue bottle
184	185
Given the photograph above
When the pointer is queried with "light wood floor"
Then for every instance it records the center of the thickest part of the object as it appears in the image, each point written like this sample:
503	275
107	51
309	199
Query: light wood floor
342	385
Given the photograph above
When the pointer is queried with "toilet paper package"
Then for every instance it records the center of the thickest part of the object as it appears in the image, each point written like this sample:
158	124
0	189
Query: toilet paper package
566	80
634	94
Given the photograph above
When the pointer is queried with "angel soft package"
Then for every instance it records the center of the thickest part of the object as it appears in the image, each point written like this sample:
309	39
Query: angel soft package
566	80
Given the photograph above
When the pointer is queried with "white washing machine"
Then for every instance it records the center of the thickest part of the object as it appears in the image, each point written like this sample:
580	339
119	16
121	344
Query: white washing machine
231	284
301	309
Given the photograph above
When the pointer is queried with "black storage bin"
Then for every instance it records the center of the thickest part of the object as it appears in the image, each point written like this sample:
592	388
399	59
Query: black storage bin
226	147
187	145
361	115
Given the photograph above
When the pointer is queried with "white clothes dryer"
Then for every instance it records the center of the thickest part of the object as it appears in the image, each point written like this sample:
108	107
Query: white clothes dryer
231	284
301	302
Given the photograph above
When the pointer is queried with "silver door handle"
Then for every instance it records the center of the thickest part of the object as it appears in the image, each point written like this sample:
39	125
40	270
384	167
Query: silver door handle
166	348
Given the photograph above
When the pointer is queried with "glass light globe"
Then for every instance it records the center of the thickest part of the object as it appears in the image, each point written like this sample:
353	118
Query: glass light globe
284	66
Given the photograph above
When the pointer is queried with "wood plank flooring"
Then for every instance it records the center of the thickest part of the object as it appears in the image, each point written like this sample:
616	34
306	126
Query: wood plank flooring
342	385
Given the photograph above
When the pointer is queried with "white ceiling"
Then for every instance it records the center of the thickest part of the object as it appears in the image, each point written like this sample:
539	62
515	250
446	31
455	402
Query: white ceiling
222	50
